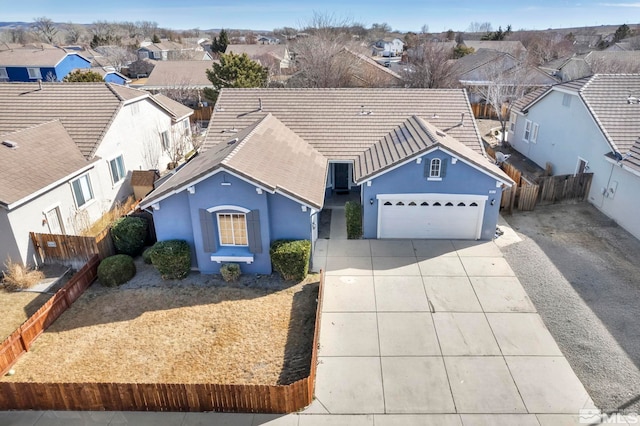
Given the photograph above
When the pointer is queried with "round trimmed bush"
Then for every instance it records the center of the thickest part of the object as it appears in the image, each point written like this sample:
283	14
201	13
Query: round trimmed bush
129	234
172	258
116	270
230	272
146	255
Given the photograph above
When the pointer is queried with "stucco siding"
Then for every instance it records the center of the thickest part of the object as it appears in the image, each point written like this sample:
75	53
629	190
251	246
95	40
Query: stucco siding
8	245
623	205
410	178
68	64
287	219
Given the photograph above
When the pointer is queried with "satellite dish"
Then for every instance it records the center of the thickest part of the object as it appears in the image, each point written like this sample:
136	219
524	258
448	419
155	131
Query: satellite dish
501	158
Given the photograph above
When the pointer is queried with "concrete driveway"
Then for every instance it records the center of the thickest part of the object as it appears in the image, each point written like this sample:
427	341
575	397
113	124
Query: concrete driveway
435	332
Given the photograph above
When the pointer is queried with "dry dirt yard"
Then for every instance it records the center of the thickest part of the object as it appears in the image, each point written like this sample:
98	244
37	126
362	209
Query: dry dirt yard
582	271
18	306
198	330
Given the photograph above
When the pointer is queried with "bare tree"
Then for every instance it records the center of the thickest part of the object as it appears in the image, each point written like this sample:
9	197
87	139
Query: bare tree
147	28
176	143
151	152
501	87
74	33
601	63
46	29
116	56
480	27
17	35
431	65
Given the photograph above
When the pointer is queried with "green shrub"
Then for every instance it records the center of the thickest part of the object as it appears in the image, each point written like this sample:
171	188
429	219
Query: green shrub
172	258
116	270
230	272
353	212
291	258
129	234
146	255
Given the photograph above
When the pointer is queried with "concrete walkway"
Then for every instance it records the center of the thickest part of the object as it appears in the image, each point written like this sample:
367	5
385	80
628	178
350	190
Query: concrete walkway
413	333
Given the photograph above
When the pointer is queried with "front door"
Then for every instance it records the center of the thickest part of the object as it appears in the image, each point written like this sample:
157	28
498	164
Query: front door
341	177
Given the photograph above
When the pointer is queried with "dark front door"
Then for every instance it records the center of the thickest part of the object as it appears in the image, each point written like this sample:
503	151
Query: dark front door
341	176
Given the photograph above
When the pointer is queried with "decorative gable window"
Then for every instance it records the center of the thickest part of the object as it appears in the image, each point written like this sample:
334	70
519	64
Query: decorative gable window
118	171
232	228
82	191
34	73
434	168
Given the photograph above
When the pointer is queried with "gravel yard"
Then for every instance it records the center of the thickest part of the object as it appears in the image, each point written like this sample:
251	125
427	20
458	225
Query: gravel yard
198	330
582	272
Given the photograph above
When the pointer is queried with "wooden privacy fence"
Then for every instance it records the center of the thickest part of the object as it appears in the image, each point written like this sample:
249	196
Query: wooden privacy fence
565	187
72	249
20	340
166	396
481	110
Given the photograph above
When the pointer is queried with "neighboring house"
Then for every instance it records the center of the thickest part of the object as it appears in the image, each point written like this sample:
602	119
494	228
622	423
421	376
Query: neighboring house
595	62
514	48
267	40
387	47
272	156
267	54
486	66
31	64
588	125
365	72
183	81
109	75
631	43
168	50
68	151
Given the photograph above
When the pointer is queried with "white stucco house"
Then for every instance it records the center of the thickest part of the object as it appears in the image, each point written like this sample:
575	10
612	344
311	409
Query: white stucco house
387	47
67	152
587	125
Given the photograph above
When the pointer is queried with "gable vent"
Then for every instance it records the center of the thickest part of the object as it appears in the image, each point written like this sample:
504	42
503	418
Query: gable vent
10	144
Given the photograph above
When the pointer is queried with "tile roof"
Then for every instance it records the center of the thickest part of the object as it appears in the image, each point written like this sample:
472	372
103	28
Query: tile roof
176	109
410	139
44	155
523	103
342	123
367	69
514	48
253	50
179	74
267	153
480	58
606	98
33	57
632	158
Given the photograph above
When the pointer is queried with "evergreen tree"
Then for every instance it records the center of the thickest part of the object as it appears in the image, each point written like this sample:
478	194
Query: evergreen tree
621	33
234	71
220	43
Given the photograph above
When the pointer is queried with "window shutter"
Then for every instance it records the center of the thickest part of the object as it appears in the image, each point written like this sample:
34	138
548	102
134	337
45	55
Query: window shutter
443	167
253	231
208	227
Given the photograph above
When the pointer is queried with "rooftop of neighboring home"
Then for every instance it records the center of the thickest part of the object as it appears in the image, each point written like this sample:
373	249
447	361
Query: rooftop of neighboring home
612	99
482	57
373	66
278	51
84	109
343	123
179	74
28	164
34	57
514	48
165	45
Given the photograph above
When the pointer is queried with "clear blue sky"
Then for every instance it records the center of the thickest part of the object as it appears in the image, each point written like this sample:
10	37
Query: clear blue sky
403	15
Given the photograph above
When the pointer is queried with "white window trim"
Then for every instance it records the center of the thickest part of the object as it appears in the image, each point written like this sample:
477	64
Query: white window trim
244	215
124	170
37	74
46	210
526	135
165	143
534	133
512	122
435	176
586	165
93	196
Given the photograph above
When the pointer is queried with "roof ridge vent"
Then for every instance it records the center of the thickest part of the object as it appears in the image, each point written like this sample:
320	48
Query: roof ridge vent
10	144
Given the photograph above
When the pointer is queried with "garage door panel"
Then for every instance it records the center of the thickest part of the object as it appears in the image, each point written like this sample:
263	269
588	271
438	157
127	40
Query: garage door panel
441	216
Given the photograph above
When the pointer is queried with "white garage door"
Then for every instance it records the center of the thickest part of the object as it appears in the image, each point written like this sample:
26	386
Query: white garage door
449	216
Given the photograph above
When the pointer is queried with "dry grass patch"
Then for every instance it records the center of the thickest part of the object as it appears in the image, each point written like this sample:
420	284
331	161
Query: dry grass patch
17	308
18	277
179	333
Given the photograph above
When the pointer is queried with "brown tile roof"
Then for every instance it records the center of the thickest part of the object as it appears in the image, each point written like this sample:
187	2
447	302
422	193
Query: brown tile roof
33	57
267	153
44	155
514	48
167	74
176	109
632	158
125	93
412	138
342	123
254	50
370	72
84	109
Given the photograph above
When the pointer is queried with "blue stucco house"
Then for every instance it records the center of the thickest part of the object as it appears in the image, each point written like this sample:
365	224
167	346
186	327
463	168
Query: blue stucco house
46	63
272	157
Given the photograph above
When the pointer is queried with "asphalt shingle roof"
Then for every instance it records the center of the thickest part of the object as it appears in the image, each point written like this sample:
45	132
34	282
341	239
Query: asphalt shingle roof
343	123
44	154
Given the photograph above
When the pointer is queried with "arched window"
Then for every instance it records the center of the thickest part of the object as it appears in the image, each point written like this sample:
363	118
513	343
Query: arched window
461	204
424	203
412	203
399	203
473	205
449	204
434	168
388	204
